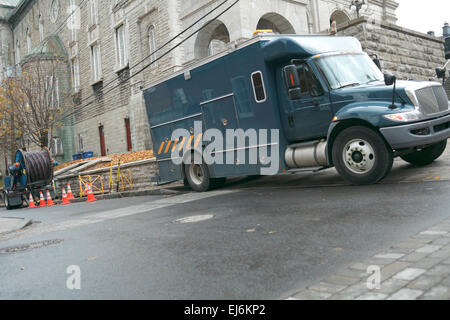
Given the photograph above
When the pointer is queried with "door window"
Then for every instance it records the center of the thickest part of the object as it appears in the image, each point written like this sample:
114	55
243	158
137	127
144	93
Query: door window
309	84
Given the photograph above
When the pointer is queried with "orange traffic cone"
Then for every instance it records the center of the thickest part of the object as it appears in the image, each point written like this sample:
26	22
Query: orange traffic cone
42	200
49	199
69	192
90	194
31	204
65	198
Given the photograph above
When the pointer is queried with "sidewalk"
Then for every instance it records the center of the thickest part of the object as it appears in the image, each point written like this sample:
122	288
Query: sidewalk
415	269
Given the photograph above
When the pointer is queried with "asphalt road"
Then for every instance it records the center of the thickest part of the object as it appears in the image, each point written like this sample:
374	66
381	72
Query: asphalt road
265	238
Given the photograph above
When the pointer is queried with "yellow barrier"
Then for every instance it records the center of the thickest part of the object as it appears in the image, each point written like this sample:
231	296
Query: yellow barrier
91	180
127	180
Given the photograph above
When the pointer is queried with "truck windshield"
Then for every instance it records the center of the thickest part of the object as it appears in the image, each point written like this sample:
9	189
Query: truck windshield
349	70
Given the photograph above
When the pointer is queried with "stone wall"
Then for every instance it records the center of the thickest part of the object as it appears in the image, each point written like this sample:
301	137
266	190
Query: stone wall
447	87
405	53
142	175
100	105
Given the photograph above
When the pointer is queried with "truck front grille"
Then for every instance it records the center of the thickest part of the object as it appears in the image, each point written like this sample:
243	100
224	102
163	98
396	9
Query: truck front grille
432	100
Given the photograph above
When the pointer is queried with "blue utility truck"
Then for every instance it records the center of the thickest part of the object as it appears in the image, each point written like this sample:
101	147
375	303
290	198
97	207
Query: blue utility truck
289	103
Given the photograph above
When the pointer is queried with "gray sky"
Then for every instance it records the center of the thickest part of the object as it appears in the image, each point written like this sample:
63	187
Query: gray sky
424	16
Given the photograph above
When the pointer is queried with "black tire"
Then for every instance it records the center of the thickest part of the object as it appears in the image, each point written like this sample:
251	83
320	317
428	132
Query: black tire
426	156
6	201
368	159
7	205
199	179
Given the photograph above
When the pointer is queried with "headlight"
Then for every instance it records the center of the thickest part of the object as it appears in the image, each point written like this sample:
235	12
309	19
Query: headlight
403	117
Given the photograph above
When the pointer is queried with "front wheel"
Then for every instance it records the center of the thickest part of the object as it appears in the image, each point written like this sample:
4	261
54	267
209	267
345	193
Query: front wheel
361	156
427	155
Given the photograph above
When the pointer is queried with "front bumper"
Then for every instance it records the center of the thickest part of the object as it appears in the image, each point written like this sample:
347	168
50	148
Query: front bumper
407	136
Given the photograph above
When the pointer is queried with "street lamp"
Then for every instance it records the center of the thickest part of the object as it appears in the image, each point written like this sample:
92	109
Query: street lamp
358	5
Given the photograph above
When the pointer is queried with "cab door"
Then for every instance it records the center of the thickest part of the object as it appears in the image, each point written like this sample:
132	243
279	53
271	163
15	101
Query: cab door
310	116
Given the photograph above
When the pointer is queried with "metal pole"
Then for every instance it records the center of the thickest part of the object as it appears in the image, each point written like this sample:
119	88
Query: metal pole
118	177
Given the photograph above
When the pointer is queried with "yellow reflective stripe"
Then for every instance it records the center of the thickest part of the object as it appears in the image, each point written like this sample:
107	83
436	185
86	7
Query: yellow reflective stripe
199	138
161	148
190	141
174	145
168	146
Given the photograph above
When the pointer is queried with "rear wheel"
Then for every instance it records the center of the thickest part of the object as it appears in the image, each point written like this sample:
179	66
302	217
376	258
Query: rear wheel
198	177
361	156
427	155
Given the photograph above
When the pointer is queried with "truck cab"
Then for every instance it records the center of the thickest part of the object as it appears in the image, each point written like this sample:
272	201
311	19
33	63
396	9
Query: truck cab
330	102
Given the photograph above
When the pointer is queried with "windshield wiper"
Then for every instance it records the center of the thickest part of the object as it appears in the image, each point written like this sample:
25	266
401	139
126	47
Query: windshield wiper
349	85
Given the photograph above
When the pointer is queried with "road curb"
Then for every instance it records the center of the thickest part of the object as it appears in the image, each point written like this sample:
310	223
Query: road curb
127	194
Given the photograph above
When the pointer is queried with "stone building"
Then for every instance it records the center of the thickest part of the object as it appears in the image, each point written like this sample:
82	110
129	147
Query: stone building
107	44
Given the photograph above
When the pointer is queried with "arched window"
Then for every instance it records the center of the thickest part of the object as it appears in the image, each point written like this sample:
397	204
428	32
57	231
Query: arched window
211	40
152	42
275	22
340	17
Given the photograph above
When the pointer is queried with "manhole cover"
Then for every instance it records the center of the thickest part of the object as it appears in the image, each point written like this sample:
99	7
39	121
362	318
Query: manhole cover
194	219
30	246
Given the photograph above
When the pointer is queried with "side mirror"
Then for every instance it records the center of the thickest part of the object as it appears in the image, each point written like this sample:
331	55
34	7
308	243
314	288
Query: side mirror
292	80
378	63
389	79
440	73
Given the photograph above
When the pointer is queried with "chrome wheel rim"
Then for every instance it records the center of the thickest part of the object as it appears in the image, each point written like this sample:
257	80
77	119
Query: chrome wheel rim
359	156
196	173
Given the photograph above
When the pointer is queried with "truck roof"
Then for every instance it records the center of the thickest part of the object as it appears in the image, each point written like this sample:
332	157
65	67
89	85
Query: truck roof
277	47
306	46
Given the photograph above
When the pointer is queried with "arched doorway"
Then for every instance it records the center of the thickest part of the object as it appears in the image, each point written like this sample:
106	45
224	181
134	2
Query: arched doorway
211	40
275	22
340	17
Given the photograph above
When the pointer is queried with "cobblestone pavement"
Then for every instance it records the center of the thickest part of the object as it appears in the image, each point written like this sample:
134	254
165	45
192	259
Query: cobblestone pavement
415	269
